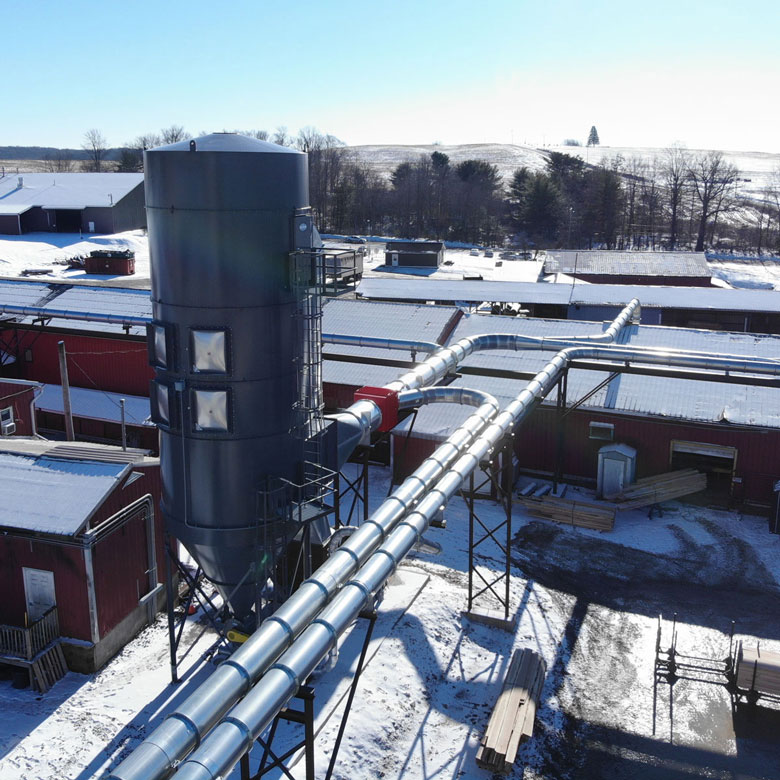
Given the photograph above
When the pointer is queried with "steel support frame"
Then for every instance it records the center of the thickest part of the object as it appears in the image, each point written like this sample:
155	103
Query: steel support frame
355	489
305	717
500	479
196	593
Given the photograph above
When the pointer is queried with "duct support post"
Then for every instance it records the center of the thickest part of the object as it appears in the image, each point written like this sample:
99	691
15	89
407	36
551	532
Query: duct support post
560	415
356	488
305	717
500	479
195	593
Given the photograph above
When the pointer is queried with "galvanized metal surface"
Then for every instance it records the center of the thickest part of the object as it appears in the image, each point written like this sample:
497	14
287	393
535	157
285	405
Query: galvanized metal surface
220	211
628	263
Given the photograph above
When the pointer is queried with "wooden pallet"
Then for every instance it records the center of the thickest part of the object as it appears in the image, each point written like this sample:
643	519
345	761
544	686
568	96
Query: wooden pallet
758	670
600	517
48	667
660	488
512	720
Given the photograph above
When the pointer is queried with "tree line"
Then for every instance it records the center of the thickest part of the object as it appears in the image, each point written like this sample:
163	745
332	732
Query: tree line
677	200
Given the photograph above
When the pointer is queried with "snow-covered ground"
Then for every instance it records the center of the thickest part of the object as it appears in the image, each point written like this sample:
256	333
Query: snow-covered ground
588	602
757	273
50	252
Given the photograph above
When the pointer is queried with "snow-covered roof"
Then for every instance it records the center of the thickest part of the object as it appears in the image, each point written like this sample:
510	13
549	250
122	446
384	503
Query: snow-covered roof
96	405
50	495
65	190
410	321
58	296
651	297
699	401
628	263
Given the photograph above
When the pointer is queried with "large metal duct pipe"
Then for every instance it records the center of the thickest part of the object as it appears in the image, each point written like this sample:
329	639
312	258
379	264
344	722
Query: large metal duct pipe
187	726
223	748
380	343
73	314
224	214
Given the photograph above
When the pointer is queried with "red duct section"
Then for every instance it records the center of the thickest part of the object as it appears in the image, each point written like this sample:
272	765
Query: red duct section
386	400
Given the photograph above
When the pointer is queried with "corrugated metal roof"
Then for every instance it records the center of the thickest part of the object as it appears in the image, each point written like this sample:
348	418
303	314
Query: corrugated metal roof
709	402
658	297
714	298
628	263
358	374
96	405
66	190
385	320
48	495
461	290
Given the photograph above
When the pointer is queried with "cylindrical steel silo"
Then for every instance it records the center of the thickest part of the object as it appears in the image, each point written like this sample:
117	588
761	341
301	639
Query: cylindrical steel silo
224	212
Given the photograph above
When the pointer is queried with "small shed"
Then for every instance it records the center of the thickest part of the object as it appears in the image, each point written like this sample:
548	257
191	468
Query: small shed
113	262
616	469
414	254
78	535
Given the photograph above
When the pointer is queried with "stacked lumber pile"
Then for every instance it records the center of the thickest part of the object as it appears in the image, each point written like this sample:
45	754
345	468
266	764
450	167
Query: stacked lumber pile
758	670
512	720
600	517
660	488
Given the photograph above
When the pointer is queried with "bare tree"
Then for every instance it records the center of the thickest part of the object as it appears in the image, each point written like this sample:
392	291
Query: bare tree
173	134
674	169
95	144
281	136
58	162
712	180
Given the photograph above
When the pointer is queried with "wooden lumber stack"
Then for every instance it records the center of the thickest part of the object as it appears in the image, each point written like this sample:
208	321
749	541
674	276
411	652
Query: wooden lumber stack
758	670
660	488
600	517
512	720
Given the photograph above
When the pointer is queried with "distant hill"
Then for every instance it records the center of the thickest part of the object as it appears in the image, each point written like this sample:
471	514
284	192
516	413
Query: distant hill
46	152
755	167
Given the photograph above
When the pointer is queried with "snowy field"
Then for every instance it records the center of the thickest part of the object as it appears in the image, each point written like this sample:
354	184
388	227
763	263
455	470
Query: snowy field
588	602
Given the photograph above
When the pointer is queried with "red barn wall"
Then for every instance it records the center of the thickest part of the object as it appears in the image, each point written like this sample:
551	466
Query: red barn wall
70	582
758	450
113	364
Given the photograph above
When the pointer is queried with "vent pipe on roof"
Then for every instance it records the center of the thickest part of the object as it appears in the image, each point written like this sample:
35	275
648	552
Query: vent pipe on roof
21	182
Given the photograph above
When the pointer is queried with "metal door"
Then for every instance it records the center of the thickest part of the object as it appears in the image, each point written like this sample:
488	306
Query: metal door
38	591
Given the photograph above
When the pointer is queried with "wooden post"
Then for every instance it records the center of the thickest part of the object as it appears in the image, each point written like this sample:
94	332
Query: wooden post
69	434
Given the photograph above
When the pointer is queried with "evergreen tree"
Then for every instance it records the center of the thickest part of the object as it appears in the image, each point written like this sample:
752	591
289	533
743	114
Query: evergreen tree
593	137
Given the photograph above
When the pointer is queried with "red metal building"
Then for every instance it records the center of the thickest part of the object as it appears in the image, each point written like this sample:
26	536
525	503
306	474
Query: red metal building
78	531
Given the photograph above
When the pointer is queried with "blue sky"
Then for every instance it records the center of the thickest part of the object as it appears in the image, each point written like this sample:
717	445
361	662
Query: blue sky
702	72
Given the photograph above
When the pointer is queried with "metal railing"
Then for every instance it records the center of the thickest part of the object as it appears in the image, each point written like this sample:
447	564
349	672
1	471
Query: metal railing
26	643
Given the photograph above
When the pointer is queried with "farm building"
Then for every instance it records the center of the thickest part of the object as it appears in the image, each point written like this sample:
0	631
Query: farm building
71	203
77	533
416	254
711	308
730	431
97	416
733	424
685	269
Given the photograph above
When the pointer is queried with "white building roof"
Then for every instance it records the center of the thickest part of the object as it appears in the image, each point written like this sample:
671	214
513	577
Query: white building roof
64	190
46	494
651	297
96	405
628	263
